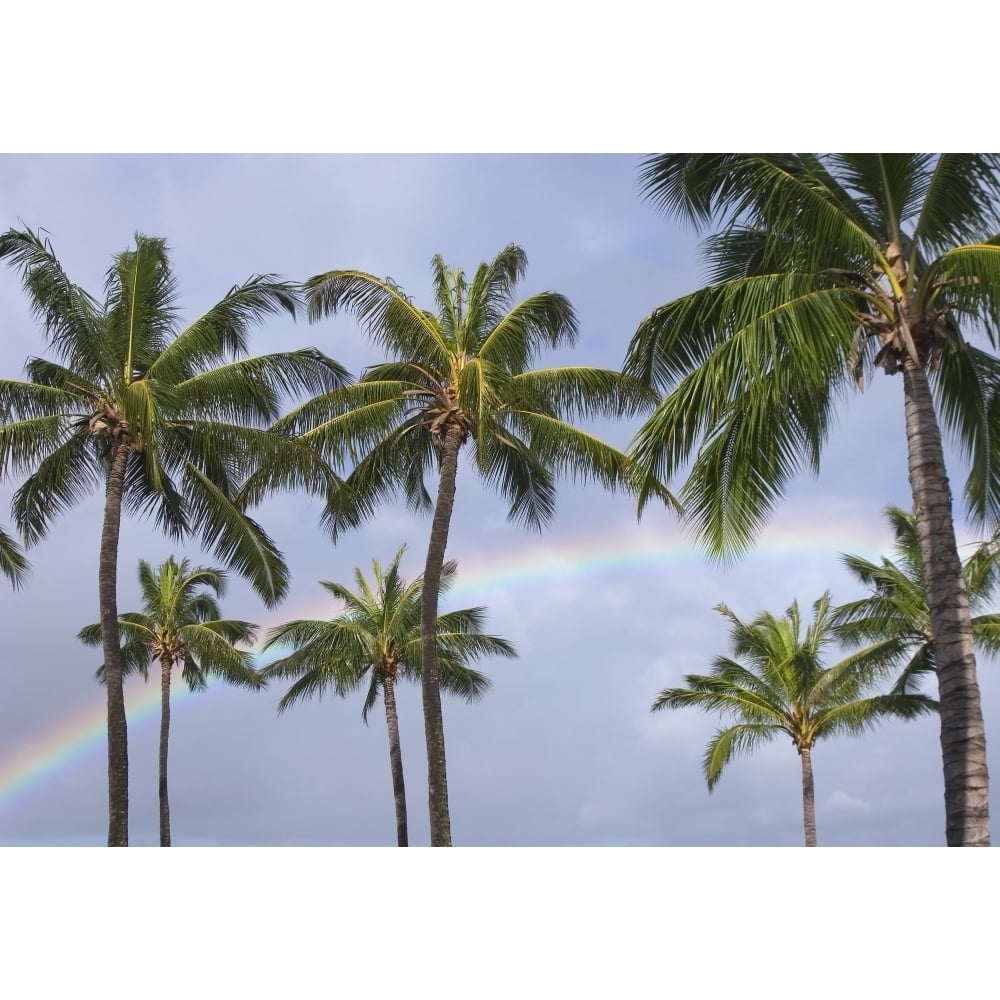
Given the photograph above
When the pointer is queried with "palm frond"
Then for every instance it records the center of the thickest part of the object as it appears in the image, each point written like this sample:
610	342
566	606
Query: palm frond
389	318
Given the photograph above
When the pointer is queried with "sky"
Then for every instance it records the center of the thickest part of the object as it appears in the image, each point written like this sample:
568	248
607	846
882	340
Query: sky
605	611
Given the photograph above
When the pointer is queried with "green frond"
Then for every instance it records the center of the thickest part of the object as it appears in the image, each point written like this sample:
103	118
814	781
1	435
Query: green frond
516	337
140	307
252	390
492	292
779	193
70	318
13	563
235	538
573	392
739	740
62	479
389	318
25	443
960	201
522	479
222	332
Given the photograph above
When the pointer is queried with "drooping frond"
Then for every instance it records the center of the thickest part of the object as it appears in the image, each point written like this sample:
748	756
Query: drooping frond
13	563
70	318
235	537
389	318
735	741
62	479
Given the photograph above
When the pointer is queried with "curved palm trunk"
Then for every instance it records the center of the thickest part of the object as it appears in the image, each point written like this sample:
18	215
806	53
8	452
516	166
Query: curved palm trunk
166	665
808	797
107	584
963	734
395	759
437	774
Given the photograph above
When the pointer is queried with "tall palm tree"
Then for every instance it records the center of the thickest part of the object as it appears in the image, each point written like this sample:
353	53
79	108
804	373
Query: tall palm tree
897	603
375	642
459	377
782	688
167	419
181	626
824	267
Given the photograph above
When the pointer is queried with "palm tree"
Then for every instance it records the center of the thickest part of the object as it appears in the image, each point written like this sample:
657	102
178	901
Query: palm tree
460	376
375	642
13	564
167	420
782	687
897	604
825	267
180	625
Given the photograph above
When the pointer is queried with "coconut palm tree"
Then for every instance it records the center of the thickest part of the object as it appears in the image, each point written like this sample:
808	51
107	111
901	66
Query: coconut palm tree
375	642
782	688
460	376
897	603
180	626
166	419
825	267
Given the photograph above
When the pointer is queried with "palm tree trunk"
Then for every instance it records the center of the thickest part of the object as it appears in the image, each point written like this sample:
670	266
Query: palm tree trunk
166	665
395	759
808	797
963	734
107	584
437	773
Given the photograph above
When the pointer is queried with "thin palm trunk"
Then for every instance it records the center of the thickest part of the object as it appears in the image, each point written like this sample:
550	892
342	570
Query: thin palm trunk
110	638
166	666
437	773
963	734
808	797
395	758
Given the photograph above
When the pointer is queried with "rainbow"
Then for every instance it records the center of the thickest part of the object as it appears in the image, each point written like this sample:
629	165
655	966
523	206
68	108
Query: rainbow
625	548
71	740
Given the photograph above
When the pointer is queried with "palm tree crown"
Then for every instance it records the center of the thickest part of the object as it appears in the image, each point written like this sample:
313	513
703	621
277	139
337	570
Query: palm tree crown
461	376
180	626
897	604
375	642
779	686
823	268
169	420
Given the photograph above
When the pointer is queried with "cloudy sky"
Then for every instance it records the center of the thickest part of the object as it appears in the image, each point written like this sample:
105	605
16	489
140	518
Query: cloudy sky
604	611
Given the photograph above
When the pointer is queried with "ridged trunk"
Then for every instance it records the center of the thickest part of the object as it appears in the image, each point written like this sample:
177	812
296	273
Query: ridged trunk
808	797
437	773
963	734
166	667
107	583
395	759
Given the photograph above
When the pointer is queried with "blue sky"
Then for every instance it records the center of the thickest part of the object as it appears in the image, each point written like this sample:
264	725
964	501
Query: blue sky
564	750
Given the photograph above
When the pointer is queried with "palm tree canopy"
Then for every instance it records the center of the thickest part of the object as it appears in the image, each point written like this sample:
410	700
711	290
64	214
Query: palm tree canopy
181	622
377	634
823	267
193	410
897	603
776	683
467	365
